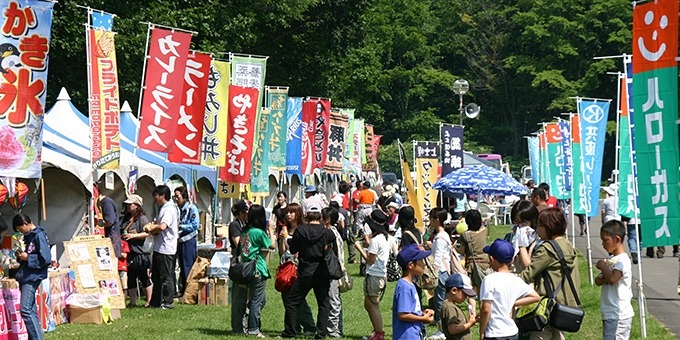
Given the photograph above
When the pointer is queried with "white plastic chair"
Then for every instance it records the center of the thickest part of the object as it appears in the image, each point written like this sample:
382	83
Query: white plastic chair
487	212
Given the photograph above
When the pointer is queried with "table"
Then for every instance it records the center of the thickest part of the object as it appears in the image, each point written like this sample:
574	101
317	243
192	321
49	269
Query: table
500	209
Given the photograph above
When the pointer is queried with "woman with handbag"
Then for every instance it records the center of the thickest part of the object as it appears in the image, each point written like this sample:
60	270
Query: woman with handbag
254	238
310	241
139	262
473	243
293	219
545	261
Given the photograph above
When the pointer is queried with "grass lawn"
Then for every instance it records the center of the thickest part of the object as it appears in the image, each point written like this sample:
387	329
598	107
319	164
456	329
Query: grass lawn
203	322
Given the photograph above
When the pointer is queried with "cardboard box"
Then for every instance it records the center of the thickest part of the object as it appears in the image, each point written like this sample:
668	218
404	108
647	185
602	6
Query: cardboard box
85	315
210	294
222	292
202	291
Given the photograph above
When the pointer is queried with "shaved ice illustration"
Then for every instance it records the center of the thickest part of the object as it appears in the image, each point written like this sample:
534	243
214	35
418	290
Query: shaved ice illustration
12	152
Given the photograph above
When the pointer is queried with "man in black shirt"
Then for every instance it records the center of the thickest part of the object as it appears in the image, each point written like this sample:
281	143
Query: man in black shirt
240	211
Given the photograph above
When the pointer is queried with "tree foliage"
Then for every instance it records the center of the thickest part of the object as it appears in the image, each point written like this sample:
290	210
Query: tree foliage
392	60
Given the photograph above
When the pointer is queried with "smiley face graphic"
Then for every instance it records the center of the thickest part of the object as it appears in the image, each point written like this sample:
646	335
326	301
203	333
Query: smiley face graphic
662	25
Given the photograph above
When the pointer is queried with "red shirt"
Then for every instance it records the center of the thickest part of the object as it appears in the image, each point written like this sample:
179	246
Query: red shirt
355	196
552	202
122	262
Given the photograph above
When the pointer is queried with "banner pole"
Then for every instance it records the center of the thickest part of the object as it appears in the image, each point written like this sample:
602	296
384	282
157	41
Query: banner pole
573	187
588	248
89	93
142	87
642	303
615	173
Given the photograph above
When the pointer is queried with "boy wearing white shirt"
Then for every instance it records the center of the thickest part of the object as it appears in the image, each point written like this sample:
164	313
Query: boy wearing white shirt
500	293
615	279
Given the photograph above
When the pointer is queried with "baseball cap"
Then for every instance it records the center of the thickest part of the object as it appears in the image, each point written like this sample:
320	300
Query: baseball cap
501	250
134	198
312	207
461	282
310	188
411	253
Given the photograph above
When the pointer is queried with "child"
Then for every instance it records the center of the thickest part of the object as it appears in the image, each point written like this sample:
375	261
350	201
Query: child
122	266
454	323
33	263
407	317
615	279
501	292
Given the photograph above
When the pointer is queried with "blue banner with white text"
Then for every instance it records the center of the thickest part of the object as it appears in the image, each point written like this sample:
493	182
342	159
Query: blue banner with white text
593	122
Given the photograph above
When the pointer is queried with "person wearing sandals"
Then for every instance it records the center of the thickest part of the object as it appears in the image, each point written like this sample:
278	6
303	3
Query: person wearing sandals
139	262
255	237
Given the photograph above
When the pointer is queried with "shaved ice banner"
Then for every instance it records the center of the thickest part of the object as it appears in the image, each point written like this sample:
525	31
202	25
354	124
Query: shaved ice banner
25	28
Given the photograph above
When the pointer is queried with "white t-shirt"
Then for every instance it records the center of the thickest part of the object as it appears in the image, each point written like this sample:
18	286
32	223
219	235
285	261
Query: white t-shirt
165	242
381	248
615	299
609	209
441	249
524	236
502	289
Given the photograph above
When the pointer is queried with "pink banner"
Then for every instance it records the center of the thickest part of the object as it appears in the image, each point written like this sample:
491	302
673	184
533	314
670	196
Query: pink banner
163	89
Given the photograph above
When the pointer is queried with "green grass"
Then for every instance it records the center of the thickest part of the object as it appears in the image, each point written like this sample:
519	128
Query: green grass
204	322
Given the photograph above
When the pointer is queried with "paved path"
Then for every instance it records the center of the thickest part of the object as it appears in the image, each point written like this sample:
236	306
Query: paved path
660	278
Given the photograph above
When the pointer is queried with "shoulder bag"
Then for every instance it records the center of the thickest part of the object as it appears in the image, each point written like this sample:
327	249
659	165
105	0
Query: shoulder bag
563	317
333	268
430	278
242	272
345	283
478	273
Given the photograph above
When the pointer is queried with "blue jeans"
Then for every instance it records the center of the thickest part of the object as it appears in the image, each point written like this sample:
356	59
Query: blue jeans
29	311
186	255
633	243
251	295
440	295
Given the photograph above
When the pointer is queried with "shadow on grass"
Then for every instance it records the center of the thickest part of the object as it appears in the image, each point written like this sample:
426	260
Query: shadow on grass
213	331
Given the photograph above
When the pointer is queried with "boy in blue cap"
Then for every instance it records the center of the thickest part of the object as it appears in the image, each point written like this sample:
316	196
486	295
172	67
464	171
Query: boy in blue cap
500	293
407	316
456	324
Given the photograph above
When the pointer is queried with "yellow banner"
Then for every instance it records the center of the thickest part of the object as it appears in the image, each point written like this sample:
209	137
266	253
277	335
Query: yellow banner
214	144
229	190
413	198
427	167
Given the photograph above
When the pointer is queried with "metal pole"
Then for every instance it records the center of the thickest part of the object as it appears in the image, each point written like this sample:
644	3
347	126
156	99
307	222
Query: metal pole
573	187
460	107
589	250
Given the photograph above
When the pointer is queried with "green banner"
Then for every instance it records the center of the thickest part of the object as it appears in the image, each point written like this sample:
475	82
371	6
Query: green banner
275	138
656	147
626	178
259	179
579	187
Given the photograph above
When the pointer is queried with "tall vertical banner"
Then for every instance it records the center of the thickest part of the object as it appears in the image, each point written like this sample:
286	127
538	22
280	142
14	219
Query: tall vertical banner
556	156
626	194
275	139
534	157
103	97
356	146
376	150
294	134
163	88
242	117
250	72
427	167
542	146
370	160
593	115
567	164
579	186
413	198
259	180
316	114
452	148
216	118
190	123
25	41
337	132
347	166
655	91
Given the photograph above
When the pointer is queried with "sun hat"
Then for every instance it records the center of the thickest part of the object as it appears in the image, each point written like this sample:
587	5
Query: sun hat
501	250
310	188
377	220
394	205
610	189
461	282
134	198
411	253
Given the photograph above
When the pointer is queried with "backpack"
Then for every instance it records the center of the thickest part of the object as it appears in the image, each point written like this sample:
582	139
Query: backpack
430	278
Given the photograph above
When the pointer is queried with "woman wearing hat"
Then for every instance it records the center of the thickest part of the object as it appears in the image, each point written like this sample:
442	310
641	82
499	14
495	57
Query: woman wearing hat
139	263
376	258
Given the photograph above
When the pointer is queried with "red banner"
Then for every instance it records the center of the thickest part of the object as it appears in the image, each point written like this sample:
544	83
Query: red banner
163	85
242	116
655	37
316	116
190	121
376	147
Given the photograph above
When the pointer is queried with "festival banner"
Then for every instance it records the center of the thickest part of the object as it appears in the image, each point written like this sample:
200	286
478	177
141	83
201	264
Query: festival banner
337	142
543	161
534	157
411	194
346	166
294	136
250	72
356	146
192	111
427	167
627	173
567	169
103	99
655	92
593	123
316	114
216	118
275	140
370	160
579	186
452	147
163	88
25	41
242	116
556	157
259	180
376	149
228	190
